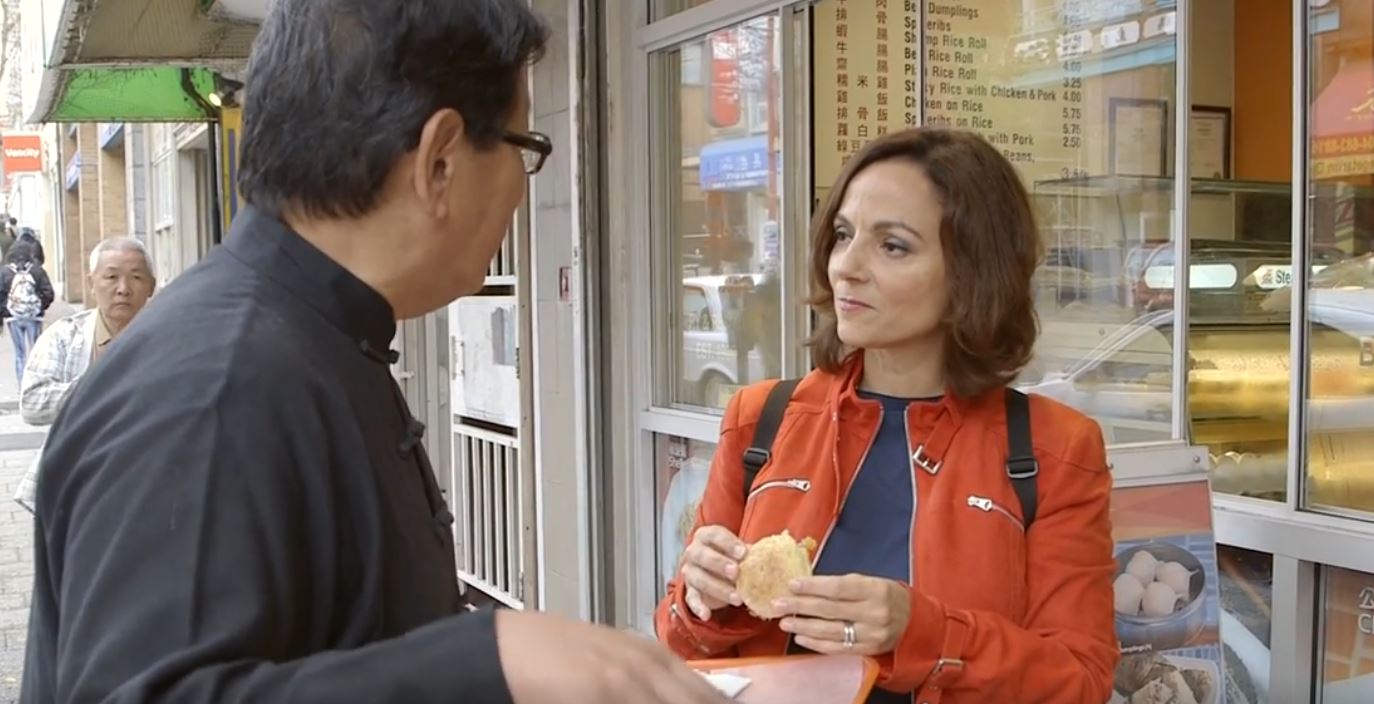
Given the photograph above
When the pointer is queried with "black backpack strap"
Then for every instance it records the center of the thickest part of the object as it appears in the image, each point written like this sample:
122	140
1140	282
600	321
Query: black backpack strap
1021	465
761	448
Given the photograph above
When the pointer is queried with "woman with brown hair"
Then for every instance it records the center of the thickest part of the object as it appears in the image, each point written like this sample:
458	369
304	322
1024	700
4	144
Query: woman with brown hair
962	528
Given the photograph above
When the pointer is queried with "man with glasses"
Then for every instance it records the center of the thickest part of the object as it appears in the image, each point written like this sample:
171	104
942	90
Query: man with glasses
235	504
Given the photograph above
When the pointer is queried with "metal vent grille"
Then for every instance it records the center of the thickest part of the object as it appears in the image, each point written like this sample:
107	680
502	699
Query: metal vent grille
490	521
502	269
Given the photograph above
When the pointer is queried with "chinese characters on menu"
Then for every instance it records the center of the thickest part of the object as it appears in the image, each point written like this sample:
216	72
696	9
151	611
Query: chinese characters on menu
1032	111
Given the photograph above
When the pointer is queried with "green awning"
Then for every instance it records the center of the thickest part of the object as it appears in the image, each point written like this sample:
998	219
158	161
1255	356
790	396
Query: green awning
153	94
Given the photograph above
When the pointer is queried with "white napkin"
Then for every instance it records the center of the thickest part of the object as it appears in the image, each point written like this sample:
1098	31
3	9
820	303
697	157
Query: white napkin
729	685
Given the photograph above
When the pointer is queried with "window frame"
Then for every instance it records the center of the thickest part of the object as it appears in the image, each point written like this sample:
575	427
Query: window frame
649	370
660	127
1300	540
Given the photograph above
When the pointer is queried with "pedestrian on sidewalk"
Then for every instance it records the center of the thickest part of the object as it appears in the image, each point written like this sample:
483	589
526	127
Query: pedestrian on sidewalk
121	281
26	245
235	503
27	293
8	234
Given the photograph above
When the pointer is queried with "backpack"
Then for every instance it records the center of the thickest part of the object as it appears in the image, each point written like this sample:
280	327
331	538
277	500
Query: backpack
1021	465
23	302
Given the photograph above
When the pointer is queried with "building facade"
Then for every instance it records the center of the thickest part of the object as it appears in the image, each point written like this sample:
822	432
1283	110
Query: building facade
32	166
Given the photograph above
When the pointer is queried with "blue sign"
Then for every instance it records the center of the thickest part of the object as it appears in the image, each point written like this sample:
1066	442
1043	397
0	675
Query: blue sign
735	164
111	134
73	175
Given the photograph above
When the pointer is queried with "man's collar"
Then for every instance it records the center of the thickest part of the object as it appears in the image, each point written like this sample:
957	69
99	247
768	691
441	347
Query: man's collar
276	251
102	330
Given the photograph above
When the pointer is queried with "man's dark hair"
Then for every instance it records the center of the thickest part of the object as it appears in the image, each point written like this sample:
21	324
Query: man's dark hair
338	90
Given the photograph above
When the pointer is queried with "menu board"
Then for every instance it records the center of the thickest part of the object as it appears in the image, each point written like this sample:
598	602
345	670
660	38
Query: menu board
1033	115
1029	77
867	79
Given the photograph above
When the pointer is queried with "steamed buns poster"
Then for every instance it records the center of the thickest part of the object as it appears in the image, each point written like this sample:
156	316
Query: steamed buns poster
1166	595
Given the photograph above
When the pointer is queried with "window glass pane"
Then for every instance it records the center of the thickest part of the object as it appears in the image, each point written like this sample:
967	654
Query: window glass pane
1340	410
658	9
1240	256
1079	97
1246	616
718	211
1347	637
696	310
680	470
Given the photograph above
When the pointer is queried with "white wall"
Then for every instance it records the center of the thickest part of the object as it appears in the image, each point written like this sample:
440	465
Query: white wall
136	178
561	472
27	202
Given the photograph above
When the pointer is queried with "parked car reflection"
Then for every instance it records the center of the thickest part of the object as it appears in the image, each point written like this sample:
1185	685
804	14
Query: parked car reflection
715	324
1254	266
1238	390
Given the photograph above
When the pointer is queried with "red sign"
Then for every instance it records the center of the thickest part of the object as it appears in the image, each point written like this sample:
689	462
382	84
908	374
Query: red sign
1343	146
724	107
23	153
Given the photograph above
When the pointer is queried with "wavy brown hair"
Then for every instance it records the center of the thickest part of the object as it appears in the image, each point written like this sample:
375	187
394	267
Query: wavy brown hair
991	249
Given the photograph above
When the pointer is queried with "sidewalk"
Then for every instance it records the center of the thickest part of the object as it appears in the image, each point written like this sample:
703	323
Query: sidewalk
18	443
16	574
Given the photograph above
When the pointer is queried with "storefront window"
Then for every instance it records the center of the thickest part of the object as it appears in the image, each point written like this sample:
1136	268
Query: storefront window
1340	410
1246	607
718	209
1240	220
1079	96
1347	637
681	467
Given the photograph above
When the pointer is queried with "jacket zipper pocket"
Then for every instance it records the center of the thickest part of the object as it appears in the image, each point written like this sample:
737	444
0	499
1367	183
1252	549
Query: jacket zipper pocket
988	505
802	485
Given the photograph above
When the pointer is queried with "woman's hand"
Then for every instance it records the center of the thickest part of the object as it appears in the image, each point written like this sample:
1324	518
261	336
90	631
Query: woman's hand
877	609
710	566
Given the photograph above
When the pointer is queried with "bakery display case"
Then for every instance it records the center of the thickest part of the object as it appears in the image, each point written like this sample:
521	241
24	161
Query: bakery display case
1106	308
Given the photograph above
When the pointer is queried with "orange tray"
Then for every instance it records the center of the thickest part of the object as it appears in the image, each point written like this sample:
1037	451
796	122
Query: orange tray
787	679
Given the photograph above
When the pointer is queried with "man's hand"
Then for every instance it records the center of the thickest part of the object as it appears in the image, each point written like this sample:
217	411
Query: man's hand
877	610
550	659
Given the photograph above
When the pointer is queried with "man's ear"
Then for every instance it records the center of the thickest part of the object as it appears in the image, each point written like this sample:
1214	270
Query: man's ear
442	140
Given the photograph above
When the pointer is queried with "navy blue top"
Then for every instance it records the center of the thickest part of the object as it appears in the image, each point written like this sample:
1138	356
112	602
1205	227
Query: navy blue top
873	533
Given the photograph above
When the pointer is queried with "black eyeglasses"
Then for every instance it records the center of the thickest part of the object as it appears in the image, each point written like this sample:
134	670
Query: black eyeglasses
535	147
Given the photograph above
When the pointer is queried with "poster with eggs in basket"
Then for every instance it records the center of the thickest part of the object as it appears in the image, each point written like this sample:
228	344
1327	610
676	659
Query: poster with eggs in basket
1166	593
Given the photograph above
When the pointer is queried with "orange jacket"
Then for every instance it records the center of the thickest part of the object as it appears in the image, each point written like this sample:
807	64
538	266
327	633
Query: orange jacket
997	614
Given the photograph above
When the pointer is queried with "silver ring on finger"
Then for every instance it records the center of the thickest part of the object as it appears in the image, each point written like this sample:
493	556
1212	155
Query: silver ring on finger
849	636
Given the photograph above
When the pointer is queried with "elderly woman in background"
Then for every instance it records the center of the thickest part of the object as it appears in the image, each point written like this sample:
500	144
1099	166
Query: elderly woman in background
121	282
